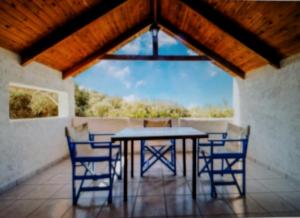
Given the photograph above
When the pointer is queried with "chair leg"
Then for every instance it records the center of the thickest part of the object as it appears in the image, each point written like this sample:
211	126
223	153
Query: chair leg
142	160
198	158
211	171
120	162
233	177
73	186
174	160
244	178
222	167
207	162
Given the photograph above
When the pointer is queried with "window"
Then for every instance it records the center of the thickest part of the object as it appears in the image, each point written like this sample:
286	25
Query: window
25	102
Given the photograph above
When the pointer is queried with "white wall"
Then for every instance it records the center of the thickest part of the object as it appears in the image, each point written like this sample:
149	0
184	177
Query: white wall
29	144
269	100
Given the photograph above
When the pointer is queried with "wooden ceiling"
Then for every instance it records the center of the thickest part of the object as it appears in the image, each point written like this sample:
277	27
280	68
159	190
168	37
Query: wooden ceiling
71	35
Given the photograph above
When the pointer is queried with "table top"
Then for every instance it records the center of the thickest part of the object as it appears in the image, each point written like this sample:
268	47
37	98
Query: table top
158	133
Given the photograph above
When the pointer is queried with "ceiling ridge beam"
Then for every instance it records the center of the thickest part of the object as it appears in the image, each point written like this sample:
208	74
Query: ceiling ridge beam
154	10
61	33
187	39
92	58
236	31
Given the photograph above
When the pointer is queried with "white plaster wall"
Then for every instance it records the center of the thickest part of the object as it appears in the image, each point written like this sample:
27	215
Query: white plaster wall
29	144
269	100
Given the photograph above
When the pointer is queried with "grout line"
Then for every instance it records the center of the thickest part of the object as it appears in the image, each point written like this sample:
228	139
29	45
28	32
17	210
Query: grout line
32	212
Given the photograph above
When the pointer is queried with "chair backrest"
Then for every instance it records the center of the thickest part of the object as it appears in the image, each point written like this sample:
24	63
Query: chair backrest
238	132
73	134
157	123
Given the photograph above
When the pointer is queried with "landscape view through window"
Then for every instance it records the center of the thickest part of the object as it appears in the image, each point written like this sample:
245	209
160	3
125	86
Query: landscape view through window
143	89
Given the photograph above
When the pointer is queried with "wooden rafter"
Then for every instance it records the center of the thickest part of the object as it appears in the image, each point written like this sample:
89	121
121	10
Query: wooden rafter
91	59
154	13
233	29
155	58
186	39
154	10
68	29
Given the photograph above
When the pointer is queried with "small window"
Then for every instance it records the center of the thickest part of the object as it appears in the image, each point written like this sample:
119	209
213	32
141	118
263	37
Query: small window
27	102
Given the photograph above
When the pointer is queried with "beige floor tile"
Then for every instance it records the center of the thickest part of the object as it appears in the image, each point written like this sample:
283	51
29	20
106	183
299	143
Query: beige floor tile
209	206
292	197
181	205
151	188
21	208
278	185
158	193
52	208
176	187
272	202
244	205
5	204
146	206
118	208
42	192
18	191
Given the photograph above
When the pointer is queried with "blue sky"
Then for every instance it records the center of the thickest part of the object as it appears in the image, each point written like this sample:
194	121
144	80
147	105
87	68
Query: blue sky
186	83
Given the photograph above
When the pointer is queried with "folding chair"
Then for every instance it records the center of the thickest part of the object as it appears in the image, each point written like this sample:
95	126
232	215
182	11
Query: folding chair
231	150
87	169
158	149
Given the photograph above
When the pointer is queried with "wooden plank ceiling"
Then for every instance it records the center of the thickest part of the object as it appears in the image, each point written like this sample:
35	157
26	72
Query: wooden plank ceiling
71	35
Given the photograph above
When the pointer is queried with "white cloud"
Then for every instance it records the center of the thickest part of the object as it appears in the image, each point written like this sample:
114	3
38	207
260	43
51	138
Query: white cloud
142	43
140	83
213	73
120	73
130	98
191	52
127	84
164	39
133	47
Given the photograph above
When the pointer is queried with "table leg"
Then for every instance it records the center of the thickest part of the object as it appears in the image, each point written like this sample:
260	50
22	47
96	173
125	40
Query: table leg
194	177
132	159
184	157
125	169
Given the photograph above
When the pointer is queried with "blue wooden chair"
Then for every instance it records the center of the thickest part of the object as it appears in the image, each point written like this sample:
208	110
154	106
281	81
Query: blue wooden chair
85	167
231	150
158	149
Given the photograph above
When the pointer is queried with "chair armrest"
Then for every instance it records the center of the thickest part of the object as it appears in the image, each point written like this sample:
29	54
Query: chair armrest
95	144
226	140
102	134
216	133
83	142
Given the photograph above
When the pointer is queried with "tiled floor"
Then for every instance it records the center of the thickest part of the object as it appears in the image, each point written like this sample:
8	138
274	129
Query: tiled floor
158	194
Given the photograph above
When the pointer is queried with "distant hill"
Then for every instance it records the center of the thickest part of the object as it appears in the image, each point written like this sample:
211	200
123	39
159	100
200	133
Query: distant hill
96	104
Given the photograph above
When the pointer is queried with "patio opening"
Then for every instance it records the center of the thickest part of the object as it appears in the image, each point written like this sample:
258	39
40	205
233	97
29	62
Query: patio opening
153	108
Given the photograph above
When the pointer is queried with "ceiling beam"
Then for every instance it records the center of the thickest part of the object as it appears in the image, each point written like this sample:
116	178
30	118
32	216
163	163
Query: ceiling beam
187	39
59	34
154	10
99	54
155	58
233	29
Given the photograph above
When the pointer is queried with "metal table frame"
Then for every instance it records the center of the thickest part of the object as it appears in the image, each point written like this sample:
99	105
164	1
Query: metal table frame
133	134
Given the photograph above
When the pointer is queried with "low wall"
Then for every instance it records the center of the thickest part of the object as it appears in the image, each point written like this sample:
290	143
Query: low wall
116	124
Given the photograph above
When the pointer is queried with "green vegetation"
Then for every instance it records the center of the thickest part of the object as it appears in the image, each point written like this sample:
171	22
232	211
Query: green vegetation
95	104
31	103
